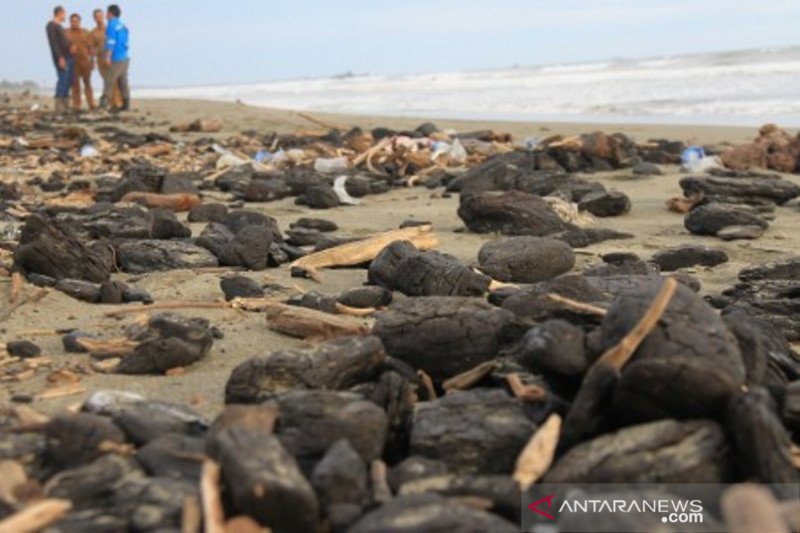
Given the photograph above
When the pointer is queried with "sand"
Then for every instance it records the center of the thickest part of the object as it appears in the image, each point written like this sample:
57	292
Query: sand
247	334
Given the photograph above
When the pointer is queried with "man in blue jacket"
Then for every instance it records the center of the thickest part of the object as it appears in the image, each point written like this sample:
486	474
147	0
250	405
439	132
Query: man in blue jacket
116	58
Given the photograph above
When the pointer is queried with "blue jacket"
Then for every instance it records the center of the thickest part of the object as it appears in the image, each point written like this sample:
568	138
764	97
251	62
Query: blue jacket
117	40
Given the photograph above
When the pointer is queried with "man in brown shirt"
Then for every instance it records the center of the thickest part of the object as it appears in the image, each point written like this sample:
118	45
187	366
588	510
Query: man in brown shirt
98	35
83	50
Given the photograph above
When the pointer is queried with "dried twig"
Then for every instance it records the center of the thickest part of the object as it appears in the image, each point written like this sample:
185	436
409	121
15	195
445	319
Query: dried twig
357	252
70	389
427	383
17	282
620	354
538	454
319	122
191	516
575	305
526	393
214	517
381	492
750	508
36	516
469	378
175	202
307	323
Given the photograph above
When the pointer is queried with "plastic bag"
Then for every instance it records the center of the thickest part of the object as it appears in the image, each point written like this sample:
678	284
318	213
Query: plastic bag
335	164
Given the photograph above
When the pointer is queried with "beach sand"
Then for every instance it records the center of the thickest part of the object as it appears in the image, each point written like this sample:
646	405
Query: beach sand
247	334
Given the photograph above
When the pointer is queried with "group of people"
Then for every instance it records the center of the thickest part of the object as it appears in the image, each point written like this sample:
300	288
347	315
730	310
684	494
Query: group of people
75	52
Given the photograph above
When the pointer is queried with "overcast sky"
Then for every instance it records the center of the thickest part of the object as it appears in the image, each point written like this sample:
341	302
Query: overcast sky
234	41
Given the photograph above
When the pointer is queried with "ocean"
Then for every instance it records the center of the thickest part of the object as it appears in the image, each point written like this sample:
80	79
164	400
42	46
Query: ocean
728	88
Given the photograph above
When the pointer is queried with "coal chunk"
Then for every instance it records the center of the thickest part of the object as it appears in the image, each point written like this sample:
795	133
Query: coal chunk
250	248
169	341
319	224
510	213
92	484
74	439
365	297
173	455
144	421
165	225
554	347
321	197
240	287
340	480
478	431
742	188
442	335
334	364
583	237
54	251
264	481
606	203
667	451
311	421
382	269
430	512
760	441
436	274
24	349
241	218
525	259
710	219
211	212
689	256
140	257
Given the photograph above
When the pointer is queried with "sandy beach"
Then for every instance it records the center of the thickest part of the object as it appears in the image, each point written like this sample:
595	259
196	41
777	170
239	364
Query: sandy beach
247	334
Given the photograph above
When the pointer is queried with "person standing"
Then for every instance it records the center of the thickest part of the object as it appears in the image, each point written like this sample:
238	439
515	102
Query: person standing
98	35
60	49
116	58
81	44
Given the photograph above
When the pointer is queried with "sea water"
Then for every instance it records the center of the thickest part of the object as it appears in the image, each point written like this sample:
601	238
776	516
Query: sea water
746	87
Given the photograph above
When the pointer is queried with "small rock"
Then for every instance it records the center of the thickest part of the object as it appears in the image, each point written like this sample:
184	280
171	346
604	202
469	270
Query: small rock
165	225
212	212
240	287
24	349
510	213
688	256
366	297
605	204
646	169
525	259
140	257
319	224
474	431
710	219
321	197
733	233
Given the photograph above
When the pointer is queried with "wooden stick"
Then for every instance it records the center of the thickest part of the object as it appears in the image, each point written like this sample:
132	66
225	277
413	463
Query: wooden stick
368	153
214	517
537	456
575	305
185	304
175	202
381	492
526	393
191	516
620	354
307	323
354	311
70	389
17	282
36	516
750	508
357	252
469	378
427	383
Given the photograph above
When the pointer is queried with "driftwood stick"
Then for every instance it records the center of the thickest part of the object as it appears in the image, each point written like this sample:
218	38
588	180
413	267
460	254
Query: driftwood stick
750	508
36	516
214	517
357	252
380	485
575	305
181	304
526	393
620	354
319	122
191	516
469	378
537	456
17	282
427	384
307	323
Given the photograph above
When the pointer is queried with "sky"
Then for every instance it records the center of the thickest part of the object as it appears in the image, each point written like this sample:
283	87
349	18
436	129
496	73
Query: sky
205	42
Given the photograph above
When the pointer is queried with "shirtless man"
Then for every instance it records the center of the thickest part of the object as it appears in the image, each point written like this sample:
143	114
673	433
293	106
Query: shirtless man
83	51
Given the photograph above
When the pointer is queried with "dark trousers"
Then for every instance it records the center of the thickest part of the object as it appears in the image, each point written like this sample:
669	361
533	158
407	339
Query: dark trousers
117	73
65	76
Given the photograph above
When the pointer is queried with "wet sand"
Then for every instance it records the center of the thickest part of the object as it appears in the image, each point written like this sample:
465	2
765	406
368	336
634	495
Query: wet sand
247	334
